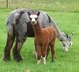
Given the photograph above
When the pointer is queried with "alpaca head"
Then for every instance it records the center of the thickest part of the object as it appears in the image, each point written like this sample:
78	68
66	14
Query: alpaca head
33	17
66	42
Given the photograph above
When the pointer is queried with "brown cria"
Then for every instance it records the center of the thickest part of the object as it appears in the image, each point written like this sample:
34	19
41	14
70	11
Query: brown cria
44	40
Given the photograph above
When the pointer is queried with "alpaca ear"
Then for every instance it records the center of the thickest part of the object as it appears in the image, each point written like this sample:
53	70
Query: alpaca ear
67	35
21	12
28	13
38	13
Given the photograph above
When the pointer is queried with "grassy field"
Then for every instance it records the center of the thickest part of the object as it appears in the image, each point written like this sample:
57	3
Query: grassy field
66	15
65	62
52	5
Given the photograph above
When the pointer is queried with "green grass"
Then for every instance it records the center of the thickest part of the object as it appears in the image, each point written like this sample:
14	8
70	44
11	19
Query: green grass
65	62
53	5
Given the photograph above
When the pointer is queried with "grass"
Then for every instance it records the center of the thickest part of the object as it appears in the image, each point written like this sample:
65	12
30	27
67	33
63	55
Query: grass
52	5
65	62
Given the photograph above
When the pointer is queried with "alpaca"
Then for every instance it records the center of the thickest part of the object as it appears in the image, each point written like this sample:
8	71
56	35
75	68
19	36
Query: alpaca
44	37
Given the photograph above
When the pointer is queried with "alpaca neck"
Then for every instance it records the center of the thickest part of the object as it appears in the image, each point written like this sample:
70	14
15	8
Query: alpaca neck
37	30
59	33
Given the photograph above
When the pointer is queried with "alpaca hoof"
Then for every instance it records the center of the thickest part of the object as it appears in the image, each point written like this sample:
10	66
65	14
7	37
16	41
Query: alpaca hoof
17	59
45	62
6	59
38	62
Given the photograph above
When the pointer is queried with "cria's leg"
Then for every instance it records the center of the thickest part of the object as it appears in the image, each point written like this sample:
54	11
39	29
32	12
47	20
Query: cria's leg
35	52
44	60
44	52
52	50
38	62
38	50
48	49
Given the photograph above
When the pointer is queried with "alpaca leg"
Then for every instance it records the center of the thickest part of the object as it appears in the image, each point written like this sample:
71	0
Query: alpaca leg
47	53
44	53
38	50
9	43
8	47
52	51
35	51
17	49
44	60
38	62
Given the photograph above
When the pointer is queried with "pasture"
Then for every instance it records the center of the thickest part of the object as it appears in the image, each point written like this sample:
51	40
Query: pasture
64	62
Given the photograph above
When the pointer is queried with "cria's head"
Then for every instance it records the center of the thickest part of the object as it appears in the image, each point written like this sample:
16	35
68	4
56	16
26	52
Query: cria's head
33	17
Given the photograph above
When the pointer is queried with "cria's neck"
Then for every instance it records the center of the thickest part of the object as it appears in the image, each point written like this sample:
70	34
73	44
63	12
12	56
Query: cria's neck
37	29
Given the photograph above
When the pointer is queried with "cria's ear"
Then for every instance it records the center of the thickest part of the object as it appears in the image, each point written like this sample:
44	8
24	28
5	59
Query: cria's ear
38	13
28	13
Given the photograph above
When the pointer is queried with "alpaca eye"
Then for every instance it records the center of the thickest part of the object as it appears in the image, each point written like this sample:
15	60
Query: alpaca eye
35	18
